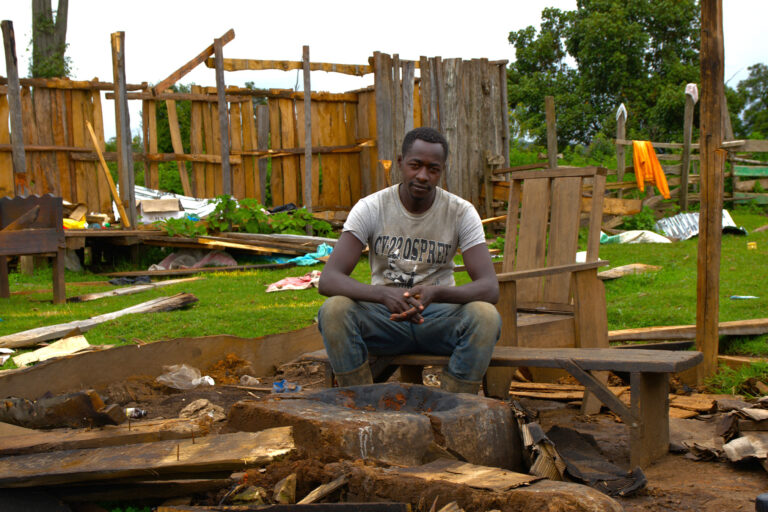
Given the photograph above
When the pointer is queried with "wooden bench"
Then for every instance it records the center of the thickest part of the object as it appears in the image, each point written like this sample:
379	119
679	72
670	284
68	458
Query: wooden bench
647	416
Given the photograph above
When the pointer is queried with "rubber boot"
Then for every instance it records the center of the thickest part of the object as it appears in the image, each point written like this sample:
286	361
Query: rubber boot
360	376
453	385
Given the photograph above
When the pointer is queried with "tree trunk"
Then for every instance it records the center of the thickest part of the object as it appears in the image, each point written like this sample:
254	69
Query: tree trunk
49	39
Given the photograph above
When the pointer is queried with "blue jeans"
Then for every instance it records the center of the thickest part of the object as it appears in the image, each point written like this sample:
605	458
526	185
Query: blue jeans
352	330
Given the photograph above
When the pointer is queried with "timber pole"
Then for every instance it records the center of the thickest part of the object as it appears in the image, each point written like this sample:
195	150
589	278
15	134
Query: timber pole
226	171
549	110
307	132
124	148
621	133
712	163
21	188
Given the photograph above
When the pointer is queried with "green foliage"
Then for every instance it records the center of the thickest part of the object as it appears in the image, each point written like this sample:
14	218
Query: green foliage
250	216
734	382
497	244
756	346
641	53
754	93
182	227
645	220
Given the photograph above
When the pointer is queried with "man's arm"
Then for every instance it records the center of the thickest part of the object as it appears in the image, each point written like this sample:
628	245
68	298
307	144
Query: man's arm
335	278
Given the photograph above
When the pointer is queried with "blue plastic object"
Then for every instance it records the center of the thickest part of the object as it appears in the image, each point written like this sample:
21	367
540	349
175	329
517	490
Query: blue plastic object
761	503
284	386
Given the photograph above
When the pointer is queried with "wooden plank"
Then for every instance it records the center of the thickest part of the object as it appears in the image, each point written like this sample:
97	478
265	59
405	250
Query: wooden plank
67	84
43	117
125	151
563	236
504	112
14	104
114	435
596	217
250	173
363	132
746	146
174	77
154	169
105	198
600	390
288	65
343	165
275	130
532	236
101	368
291	177
416	104
325	116
196	145
447	94
79	138
110	182
235	136
750	170
751	327
58	126
385	145
145	140
351	162
227	452
68	128
130	290
657	145
686	157
217	174
324	490
262	139
425	90
209	138
34	170
34	336
226	171
309	183
436	77
6	160
589	359
556	173
91	168
397	112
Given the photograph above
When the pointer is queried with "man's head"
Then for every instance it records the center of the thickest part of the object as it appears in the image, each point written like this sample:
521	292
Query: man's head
421	165
427	135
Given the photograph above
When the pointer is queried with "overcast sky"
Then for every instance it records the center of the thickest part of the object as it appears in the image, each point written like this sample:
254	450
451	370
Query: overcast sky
161	35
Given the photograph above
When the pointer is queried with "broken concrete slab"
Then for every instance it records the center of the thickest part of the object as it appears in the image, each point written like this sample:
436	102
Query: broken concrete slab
393	423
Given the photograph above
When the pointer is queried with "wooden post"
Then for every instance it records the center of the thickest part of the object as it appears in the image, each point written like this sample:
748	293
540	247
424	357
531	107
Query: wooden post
549	107
384	118
621	133
409	68
124	149
712	162
21	187
504	114
397	114
307	133
686	160
262	144
226	171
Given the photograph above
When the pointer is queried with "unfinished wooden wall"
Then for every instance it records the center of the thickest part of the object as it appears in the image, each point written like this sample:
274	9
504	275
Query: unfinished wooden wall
56	139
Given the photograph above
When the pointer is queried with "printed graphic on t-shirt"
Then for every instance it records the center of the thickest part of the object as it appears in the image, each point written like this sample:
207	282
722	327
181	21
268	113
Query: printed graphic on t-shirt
410	260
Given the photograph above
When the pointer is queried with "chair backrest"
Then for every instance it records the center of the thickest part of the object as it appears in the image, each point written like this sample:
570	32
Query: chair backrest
543	218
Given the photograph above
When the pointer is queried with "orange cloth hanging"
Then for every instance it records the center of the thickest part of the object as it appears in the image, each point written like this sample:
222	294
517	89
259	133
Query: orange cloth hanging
648	168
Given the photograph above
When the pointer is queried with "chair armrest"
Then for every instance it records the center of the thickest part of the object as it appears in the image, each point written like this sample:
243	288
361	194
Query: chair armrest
545	271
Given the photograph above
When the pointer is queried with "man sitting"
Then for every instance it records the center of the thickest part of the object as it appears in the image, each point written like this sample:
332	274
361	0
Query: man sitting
412	305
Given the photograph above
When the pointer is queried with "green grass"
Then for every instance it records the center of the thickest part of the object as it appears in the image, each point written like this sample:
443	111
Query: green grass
237	304
734	382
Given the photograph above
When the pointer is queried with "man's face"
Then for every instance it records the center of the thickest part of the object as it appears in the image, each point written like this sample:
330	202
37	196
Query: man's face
422	168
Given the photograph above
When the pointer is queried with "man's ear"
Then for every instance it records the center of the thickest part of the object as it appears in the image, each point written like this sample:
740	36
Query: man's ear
399	160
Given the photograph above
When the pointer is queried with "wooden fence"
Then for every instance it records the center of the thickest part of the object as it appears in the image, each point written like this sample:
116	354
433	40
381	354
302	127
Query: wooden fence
355	136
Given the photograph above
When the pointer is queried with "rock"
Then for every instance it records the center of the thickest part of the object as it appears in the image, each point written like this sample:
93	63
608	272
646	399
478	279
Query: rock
285	490
203	408
251	495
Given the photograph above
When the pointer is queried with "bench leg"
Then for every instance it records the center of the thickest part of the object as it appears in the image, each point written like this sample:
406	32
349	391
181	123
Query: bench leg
5	289
498	379
649	439
59	289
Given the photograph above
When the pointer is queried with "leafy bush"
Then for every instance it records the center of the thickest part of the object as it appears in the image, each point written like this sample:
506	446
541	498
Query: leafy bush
182	227
645	220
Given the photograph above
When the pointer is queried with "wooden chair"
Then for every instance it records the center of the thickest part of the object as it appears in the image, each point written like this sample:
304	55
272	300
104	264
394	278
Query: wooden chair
32	225
547	299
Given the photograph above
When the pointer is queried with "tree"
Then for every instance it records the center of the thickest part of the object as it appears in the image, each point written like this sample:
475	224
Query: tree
637	52
49	39
753	91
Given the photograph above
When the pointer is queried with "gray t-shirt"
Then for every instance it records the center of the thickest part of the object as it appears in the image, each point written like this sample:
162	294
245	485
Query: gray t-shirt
408	249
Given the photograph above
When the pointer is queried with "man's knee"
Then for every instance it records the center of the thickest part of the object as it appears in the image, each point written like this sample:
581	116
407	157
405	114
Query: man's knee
336	307
485	319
